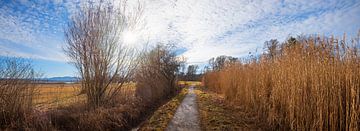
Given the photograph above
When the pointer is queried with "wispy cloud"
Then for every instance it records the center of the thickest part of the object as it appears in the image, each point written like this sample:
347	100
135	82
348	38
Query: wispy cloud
204	28
211	28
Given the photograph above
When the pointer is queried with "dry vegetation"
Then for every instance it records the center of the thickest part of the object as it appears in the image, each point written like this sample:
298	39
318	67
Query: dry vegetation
307	83
17	84
105	97
160	119
101	58
156	74
52	96
104	65
163	115
216	114
126	113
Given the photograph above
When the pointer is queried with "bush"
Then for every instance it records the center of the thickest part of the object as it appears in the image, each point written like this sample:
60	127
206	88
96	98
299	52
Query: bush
156	76
110	118
16	90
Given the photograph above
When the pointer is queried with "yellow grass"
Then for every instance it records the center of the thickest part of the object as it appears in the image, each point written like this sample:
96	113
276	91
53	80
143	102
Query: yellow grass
311	84
195	83
216	115
51	96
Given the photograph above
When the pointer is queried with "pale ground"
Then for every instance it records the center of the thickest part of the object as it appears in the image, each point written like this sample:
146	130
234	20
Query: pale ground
186	117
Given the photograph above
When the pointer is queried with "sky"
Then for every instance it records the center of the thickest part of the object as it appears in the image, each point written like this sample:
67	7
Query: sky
202	29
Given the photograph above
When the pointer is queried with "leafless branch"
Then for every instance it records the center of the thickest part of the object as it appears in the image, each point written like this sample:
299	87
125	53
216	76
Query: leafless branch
95	48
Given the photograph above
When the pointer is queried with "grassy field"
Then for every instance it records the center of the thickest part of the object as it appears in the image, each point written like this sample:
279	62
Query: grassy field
51	96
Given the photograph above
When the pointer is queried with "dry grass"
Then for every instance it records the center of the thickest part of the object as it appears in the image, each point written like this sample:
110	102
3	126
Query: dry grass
311	83
215	114
163	115
156	74
122	116
16	90
52	96
75	115
185	83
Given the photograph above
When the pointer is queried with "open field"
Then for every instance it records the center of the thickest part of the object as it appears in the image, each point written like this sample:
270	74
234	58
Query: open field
51	96
196	83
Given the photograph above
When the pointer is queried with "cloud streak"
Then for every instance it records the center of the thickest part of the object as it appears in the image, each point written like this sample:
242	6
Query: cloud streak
204	28
236	27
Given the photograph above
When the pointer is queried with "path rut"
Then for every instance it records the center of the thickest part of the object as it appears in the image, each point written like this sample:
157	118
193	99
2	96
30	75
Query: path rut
186	117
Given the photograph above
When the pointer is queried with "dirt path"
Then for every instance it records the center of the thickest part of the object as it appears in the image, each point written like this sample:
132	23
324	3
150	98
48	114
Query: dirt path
186	116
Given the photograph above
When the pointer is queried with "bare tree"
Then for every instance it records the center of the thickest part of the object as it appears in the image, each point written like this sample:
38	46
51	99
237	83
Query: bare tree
191	73
156	75
16	89
95	48
221	61
272	48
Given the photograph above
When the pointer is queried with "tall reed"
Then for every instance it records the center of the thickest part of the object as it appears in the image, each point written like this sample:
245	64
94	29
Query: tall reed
302	84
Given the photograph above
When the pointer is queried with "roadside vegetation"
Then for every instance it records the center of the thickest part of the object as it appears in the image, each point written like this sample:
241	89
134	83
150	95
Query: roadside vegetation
118	84
105	65
17	86
304	83
217	114
50	96
163	115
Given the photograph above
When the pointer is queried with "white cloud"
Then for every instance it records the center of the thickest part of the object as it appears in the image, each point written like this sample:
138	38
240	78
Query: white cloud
206	28
210	28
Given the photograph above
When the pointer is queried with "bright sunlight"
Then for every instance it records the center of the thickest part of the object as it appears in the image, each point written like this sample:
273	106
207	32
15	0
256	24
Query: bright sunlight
129	37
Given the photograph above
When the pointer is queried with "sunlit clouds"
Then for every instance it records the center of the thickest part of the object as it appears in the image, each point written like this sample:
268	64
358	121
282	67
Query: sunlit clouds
203	28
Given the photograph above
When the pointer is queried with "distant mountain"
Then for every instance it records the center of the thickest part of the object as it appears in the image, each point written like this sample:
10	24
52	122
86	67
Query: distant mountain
61	79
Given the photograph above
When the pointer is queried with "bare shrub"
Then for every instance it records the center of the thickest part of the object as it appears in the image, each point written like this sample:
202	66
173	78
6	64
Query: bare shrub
94	46
16	90
307	83
76	117
156	75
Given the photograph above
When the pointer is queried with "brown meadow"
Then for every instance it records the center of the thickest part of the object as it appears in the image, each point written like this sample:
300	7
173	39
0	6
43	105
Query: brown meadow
51	96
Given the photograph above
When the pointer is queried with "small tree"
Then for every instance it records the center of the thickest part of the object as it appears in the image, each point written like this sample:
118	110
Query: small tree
94	46
192	72
272	47
221	61
156	75
16	89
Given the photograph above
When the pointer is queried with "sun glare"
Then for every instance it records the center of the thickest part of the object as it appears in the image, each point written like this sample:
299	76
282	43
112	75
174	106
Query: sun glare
129	37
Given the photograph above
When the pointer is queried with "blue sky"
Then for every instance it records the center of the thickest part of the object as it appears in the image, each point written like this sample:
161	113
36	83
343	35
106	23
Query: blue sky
202	28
